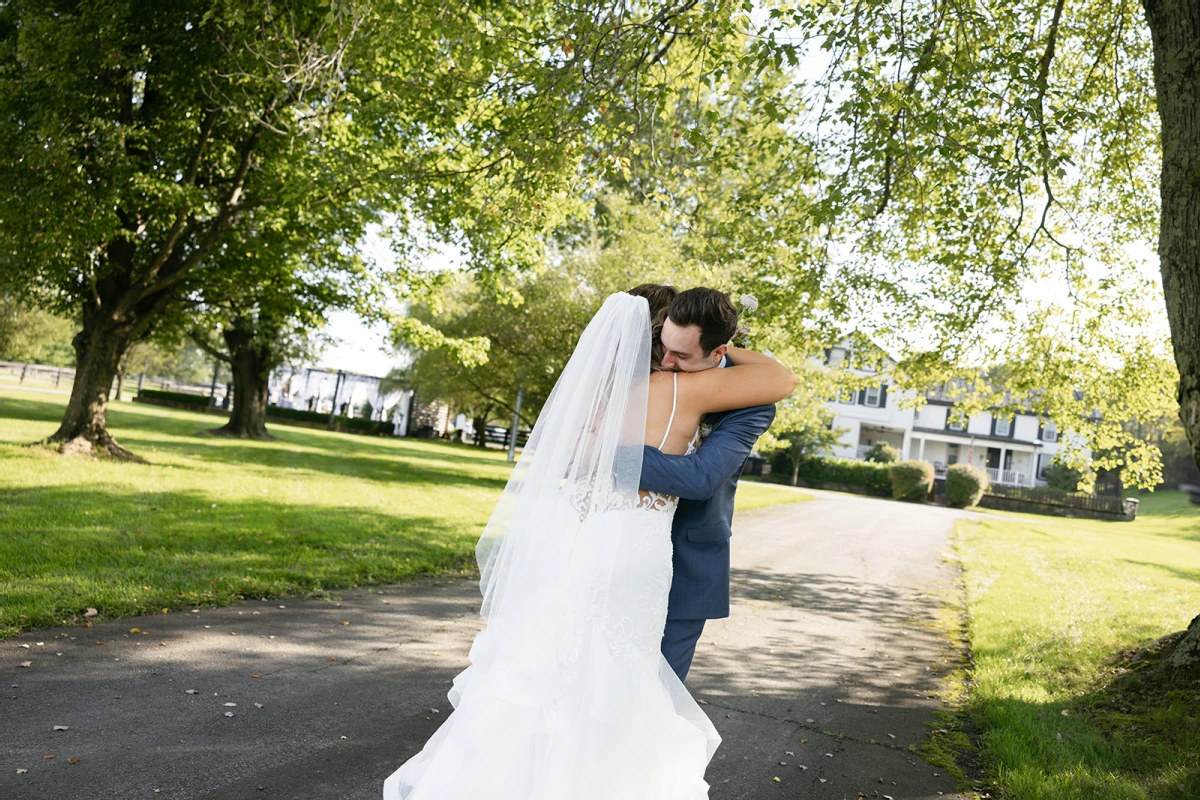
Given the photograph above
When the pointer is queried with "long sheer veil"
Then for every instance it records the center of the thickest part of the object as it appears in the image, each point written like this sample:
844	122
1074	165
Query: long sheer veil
541	569
586	448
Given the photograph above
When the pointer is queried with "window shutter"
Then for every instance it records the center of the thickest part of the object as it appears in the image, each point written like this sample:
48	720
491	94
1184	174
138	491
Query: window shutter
883	396
862	397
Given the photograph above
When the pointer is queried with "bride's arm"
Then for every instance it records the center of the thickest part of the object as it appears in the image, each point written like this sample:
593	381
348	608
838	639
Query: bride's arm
753	380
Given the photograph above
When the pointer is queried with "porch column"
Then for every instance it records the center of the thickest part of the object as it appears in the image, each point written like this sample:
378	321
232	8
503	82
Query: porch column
921	454
1003	453
904	448
1033	462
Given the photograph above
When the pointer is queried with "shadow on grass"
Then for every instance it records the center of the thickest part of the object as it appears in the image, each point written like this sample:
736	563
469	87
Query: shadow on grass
181	433
1134	735
1183	574
123	553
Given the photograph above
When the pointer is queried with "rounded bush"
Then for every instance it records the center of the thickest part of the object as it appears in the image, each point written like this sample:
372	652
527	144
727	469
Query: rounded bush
883	453
911	480
965	485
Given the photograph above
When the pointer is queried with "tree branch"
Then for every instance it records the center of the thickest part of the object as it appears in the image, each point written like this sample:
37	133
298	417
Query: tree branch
204	345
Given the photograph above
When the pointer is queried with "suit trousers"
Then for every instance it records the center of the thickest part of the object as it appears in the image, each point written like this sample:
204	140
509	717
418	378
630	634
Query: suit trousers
679	643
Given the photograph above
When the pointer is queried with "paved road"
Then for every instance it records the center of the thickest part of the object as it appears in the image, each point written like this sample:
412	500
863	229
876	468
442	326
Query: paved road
828	654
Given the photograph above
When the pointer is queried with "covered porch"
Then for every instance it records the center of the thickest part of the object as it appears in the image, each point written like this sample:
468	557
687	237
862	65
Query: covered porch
1008	463
871	434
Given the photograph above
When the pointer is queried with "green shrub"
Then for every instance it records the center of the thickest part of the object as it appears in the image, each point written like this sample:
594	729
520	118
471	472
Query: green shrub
911	480
847	471
297	413
883	453
1062	478
174	397
965	485
342	423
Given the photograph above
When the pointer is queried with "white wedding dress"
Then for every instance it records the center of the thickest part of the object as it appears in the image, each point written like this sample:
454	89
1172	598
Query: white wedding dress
567	696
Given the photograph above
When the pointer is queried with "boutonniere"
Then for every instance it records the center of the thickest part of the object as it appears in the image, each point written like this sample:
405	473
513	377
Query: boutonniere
705	430
749	304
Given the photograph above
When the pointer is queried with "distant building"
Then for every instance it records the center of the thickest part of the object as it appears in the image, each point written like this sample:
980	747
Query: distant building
1013	450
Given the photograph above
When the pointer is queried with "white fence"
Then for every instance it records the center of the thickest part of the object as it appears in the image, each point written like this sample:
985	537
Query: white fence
41	376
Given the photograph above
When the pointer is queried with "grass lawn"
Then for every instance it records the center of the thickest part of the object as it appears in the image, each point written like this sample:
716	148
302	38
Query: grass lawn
1067	708
210	520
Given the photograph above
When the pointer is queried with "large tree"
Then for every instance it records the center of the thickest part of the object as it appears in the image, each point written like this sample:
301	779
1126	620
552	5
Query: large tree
985	194
524	335
991	173
301	272
135	137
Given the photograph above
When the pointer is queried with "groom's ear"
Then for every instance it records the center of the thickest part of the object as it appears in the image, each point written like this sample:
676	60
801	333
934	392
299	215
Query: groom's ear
718	353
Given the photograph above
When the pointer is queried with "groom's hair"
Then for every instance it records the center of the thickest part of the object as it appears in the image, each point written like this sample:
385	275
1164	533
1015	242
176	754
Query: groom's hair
710	310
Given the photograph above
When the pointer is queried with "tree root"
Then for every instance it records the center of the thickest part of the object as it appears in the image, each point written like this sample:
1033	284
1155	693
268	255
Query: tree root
103	446
225	432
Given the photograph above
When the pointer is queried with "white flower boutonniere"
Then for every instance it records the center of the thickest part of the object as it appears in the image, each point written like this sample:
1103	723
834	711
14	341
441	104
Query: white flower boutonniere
705	430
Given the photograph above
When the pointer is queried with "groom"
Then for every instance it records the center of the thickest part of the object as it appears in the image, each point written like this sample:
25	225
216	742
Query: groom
695	336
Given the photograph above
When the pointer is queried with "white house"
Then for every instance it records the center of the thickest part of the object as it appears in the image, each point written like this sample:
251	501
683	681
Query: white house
1012	450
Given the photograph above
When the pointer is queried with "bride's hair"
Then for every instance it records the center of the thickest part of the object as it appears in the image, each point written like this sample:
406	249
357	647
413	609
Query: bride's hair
659	296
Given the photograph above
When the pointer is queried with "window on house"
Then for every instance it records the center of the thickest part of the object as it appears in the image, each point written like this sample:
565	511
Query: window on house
951	454
872	399
846	397
953	425
1049	432
1003	427
1044	460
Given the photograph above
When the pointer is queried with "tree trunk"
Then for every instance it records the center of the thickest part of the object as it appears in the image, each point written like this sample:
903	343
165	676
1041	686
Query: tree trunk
480	431
99	347
795	471
249	362
1175	30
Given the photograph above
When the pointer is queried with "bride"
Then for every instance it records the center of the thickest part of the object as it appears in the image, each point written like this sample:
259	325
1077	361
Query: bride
567	695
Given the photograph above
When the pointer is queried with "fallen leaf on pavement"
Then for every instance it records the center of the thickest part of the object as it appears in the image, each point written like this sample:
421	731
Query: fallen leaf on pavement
61	728
25	664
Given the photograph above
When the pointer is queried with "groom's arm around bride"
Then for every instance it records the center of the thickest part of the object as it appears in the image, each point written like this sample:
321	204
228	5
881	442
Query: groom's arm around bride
706	483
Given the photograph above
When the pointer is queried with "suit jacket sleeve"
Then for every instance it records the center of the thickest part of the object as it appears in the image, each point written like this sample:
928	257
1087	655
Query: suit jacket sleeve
724	452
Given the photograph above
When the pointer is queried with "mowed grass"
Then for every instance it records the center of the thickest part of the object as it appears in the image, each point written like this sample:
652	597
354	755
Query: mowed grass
212	520
1055	607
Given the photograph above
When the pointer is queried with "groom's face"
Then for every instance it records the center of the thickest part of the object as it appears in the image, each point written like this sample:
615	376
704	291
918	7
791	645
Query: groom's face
683	350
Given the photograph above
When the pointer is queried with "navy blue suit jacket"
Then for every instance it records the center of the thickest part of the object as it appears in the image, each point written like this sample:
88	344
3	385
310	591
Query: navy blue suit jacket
705	483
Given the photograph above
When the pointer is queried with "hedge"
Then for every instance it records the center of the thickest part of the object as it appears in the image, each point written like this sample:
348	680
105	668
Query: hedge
965	485
911	480
345	423
820	469
297	413
175	397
